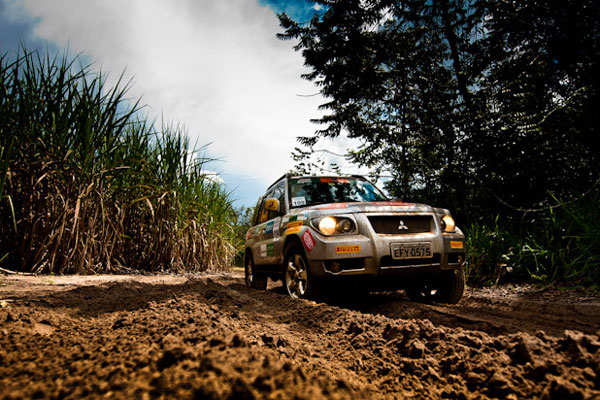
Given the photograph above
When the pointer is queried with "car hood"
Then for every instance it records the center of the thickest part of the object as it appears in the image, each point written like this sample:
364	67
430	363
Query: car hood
364	207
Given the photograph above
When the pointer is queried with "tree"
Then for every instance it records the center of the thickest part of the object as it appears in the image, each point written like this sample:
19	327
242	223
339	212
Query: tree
540	90
460	101
243	222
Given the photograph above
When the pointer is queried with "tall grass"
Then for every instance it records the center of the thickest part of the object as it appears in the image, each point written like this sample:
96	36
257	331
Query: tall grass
241	226
94	188
560	245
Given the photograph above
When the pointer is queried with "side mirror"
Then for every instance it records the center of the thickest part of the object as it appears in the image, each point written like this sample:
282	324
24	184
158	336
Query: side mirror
272	205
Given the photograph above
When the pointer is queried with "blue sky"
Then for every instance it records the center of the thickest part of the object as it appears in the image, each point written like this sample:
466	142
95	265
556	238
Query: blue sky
215	67
299	10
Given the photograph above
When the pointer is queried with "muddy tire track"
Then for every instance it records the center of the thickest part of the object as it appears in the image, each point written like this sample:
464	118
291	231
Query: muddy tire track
209	336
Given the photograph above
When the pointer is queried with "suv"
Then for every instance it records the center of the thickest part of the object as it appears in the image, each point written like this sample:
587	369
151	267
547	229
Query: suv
313	232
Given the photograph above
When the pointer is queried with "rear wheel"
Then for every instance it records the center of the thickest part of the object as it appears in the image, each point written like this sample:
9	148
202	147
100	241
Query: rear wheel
254	279
297	278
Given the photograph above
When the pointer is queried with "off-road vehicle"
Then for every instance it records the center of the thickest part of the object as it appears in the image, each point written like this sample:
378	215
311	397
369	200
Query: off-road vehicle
319	232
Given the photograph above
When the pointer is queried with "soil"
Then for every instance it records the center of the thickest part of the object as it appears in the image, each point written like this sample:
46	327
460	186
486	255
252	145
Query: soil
209	336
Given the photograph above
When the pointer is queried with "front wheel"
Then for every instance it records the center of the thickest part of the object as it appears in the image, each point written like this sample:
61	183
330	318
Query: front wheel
253	279
448	288
452	286
423	292
297	278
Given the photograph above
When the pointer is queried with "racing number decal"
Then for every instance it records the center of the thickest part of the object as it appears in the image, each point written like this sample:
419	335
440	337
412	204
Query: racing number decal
308	240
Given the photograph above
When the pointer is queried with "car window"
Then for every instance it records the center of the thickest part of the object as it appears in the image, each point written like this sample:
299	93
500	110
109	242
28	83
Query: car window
279	194
263	215
311	191
276	193
256	214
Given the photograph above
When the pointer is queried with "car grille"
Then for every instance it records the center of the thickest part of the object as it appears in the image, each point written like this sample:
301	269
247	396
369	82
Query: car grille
401	224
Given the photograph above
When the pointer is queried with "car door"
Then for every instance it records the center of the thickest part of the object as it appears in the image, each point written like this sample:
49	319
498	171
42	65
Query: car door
272	230
269	236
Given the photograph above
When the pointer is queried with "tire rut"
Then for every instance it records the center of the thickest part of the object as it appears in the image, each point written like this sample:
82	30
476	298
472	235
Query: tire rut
212	337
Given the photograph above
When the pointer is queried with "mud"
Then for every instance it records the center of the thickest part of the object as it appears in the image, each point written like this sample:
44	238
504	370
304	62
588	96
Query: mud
211	337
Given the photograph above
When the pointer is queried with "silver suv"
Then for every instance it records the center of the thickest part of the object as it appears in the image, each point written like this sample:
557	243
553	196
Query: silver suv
313	232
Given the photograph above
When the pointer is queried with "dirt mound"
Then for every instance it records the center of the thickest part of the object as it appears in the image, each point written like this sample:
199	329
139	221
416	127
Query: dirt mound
211	337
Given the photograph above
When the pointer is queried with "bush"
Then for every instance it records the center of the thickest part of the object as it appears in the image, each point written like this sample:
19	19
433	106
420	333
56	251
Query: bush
559	245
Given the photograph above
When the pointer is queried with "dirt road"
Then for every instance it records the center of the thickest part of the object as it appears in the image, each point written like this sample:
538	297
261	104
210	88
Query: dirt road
211	337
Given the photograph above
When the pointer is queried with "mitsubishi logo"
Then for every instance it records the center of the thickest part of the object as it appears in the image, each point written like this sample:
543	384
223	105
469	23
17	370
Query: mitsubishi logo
402	226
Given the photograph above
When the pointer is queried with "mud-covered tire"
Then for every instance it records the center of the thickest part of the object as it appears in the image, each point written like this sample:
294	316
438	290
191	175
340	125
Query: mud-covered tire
452	286
423	292
297	279
448	288
252	278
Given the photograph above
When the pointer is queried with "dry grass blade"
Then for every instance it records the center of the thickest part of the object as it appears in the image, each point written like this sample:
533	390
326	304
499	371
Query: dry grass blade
94	188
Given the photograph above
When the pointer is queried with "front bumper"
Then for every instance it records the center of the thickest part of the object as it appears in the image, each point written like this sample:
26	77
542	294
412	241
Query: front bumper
371	255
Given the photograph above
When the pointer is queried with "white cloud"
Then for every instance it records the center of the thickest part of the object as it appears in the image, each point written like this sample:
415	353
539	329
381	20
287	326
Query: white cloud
334	151
213	177
213	66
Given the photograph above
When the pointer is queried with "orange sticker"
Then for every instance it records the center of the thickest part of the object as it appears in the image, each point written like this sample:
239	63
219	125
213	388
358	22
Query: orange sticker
294	224
456	245
294	229
347	249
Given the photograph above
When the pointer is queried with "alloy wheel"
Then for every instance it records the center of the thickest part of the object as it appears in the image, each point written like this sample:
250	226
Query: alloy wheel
296	277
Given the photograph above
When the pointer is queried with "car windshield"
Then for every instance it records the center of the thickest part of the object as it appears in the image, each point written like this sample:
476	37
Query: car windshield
312	191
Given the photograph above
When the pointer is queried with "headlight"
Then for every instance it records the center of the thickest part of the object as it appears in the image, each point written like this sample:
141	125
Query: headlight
327	226
331	225
448	224
345	226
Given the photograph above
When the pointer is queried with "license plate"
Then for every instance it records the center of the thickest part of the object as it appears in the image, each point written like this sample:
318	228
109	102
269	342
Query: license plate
411	250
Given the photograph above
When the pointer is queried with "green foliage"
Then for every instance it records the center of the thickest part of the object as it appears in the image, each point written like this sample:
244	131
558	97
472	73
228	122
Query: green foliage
92	188
489	249
4	160
485	107
563	244
241	226
455	96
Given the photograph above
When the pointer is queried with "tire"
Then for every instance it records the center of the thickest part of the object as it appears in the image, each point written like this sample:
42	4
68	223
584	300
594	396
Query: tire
448	288
297	279
254	279
423	292
452	286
